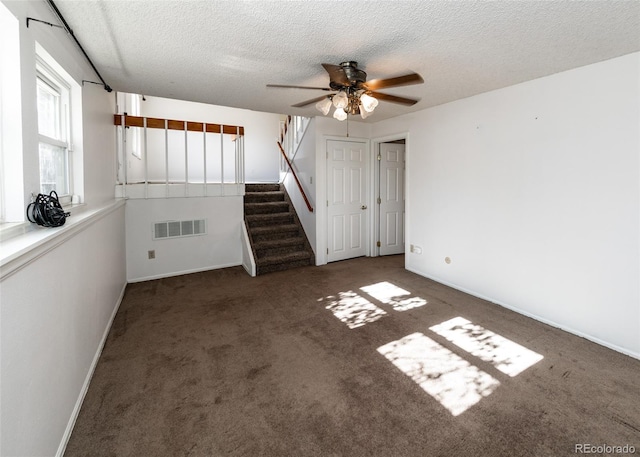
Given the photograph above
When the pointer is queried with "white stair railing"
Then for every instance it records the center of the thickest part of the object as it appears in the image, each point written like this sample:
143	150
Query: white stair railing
173	158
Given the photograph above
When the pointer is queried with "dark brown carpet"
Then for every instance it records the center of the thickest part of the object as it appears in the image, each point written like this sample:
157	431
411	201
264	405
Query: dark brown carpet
221	364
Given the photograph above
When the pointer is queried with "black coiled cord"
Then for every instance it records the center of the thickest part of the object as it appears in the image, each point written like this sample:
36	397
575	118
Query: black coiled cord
47	211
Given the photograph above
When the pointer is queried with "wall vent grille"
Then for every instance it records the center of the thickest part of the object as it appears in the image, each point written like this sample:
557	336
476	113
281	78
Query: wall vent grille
179	229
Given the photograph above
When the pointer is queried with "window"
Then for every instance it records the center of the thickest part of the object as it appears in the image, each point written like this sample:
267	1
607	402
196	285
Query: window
53	96
11	170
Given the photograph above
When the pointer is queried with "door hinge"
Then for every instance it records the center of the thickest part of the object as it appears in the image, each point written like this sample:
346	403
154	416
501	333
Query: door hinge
327	251
379	156
327	203
378	244
379	200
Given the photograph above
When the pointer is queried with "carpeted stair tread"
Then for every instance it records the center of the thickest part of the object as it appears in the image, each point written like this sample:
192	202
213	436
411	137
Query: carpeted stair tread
270	196
270	244
279	246
272	219
283	258
274	229
266	207
264	187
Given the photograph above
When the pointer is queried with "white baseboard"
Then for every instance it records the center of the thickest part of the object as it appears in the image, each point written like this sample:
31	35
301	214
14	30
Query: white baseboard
184	272
85	386
630	353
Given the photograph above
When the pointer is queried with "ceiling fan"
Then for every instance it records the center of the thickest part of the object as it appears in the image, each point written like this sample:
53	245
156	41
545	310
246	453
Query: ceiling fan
353	93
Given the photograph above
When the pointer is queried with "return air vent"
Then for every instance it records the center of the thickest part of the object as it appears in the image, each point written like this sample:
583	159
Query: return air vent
175	229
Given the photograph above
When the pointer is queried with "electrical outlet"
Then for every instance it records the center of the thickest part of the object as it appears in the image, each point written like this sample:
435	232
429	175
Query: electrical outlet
415	249
152	254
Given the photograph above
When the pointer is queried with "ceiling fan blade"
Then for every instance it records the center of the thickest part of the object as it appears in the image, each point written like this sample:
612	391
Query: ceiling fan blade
309	102
337	74
393	98
297	87
406	80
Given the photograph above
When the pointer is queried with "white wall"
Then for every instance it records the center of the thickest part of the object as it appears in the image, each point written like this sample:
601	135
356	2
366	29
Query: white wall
220	247
304	163
55	314
261	131
533	193
99	165
57	303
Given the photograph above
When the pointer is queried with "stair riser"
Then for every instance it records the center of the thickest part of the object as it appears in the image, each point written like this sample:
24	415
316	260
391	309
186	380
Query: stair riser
260	253
269	222
282	266
261	187
263	198
266	209
270	236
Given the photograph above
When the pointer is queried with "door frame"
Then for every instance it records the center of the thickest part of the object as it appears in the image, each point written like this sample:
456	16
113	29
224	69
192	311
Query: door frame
373	147
375	189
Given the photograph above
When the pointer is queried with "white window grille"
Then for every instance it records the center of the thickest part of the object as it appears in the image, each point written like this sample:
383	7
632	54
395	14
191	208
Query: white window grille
53	97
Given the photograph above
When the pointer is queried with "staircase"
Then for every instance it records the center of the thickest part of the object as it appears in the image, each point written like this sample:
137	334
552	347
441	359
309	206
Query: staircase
277	238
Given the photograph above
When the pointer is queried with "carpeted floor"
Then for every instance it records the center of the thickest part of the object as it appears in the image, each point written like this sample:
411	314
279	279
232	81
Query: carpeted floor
355	358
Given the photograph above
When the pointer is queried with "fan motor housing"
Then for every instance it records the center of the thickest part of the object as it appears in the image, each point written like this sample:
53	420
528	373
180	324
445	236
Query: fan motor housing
355	76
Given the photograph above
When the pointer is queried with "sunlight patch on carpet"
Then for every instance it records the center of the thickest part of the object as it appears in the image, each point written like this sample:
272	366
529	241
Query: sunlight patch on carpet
353	309
504	354
448	378
390	294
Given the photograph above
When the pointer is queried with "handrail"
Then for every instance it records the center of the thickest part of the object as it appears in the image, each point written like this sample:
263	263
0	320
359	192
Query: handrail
157	123
293	172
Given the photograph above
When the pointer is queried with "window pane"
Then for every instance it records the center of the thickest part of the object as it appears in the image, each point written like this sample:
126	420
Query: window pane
48	110
53	169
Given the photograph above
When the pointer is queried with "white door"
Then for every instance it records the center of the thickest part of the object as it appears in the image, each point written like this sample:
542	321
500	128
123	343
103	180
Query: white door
391	160
346	200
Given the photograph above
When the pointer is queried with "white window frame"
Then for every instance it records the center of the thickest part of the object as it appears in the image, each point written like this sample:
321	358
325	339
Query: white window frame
3	210
11	152
57	83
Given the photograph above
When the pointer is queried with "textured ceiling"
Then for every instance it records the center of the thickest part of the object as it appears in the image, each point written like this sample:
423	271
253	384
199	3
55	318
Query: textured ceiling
225	52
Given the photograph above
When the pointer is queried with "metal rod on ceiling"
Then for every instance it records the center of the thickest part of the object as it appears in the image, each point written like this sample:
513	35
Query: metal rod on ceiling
70	32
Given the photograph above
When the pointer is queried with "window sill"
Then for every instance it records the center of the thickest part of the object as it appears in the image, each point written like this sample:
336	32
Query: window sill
9	230
21	244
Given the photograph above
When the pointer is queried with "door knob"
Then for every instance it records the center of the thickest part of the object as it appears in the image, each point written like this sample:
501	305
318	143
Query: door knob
363	207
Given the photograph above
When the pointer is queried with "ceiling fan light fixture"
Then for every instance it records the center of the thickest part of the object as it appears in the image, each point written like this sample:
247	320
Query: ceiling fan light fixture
340	114
340	100
354	94
324	105
368	103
